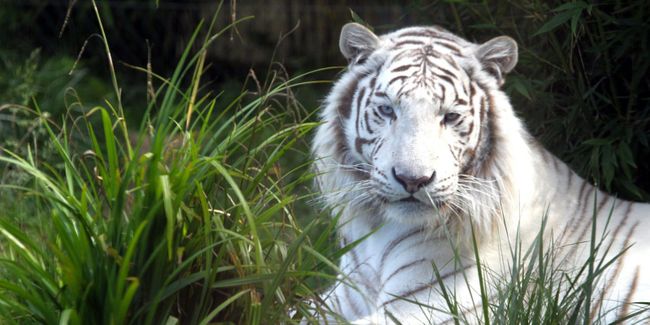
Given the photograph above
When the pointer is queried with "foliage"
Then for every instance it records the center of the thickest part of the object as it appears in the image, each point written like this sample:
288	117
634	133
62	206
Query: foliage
22	128
191	221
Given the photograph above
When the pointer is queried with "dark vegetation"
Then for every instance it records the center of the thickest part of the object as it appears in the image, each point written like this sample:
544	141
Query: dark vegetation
173	186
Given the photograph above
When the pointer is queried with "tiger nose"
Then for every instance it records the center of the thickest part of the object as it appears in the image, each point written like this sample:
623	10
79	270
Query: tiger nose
413	183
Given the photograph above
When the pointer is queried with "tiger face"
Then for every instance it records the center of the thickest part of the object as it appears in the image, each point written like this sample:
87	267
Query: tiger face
415	115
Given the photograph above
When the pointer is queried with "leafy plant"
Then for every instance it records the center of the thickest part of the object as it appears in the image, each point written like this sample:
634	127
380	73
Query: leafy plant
191	221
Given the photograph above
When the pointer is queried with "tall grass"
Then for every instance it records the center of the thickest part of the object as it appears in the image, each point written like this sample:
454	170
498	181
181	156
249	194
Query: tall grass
192	221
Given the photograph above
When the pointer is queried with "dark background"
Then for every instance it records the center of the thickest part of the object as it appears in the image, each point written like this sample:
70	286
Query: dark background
581	83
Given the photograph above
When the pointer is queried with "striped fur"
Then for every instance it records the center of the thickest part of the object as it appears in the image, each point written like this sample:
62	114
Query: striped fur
421	148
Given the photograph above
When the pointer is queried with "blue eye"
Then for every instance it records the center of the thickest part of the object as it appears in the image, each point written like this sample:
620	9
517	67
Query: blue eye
451	117
386	110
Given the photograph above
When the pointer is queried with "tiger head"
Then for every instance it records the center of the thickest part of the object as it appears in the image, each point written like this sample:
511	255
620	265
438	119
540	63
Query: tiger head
412	117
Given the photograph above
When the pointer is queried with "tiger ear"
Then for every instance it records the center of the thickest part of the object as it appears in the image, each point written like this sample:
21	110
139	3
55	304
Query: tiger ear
498	56
357	42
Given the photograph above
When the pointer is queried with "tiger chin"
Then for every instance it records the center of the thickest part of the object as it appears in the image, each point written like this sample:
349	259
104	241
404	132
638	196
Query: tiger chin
420	152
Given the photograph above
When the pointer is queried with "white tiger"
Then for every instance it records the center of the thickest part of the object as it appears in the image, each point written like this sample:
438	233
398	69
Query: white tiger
418	144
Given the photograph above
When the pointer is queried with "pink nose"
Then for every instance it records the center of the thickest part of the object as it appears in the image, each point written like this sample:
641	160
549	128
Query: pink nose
411	183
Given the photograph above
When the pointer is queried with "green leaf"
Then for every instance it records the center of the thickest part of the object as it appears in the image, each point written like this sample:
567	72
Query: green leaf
125	301
608	165
483	26
519	86
169	213
595	160
557	20
242	281
111	150
597	142
358	20
574	24
252	224
609	158
625	154
223	305
576	5
69	317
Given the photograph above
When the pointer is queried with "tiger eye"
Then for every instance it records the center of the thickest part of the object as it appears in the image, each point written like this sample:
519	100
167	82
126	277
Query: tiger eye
386	110
451	117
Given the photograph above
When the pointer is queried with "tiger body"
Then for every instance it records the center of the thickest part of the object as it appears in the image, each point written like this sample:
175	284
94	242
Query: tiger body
422	156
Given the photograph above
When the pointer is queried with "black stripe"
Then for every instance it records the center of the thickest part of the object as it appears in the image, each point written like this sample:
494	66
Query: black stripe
582	189
404	67
358	108
377	116
619	264
587	200
602	203
582	216
452	62
425	286
377	147
400	269
408	42
344	109
373	81
365	118
626	303
420	33
359	142
353	306
623	221
338	303
447	79
447	72
393	244
381	94
489	135
453	48
574	215
355	258
474	163
344	106
453	152
395	79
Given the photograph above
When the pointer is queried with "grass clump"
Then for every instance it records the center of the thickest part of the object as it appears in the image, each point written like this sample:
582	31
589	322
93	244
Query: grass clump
545	282
191	221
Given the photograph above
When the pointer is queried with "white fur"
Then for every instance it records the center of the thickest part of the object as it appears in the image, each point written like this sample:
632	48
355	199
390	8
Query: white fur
503	205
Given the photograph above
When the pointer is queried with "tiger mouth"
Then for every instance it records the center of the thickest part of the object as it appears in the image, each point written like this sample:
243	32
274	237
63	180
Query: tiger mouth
411	199
436	203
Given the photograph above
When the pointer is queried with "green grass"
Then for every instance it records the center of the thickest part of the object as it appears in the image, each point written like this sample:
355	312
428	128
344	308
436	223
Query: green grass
192	221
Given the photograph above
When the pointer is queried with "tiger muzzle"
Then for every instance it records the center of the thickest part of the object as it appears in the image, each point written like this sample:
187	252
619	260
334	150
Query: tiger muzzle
412	183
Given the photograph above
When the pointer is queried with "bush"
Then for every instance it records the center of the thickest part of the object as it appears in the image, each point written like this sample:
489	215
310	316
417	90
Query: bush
192	220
